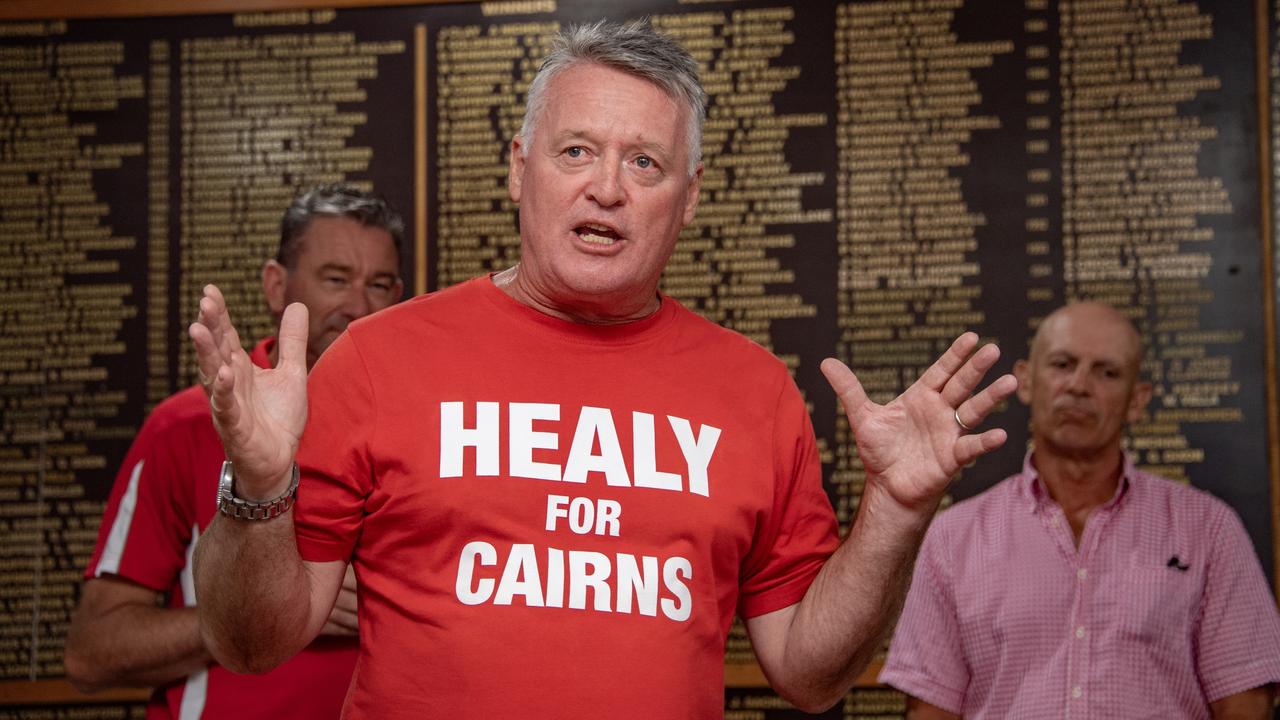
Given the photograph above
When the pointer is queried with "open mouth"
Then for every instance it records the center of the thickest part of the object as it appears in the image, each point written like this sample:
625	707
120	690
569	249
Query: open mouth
597	234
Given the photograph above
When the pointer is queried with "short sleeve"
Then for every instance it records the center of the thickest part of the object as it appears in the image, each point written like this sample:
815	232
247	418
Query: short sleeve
150	517
926	658
337	473
1238	632
798	536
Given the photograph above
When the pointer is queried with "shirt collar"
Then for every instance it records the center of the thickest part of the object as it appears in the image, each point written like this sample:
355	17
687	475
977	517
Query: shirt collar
261	353
1037	493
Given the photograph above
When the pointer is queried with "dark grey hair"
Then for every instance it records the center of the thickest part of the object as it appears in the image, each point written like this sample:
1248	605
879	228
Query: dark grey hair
634	48
337	200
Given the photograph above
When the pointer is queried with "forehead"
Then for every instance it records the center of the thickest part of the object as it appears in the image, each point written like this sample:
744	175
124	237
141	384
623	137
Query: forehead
1088	334
589	98
332	239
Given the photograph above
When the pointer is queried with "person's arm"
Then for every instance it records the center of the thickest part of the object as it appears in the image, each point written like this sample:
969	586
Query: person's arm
344	620
918	709
813	651
259	602
1255	704
121	635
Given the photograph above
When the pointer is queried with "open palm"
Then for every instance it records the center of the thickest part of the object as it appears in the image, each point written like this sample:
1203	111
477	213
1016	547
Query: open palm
912	447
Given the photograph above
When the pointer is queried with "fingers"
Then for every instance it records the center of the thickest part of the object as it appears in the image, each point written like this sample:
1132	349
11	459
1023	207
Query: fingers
214	337
342	624
293	337
974	410
845	383
344	618
945	367
969	447
963	382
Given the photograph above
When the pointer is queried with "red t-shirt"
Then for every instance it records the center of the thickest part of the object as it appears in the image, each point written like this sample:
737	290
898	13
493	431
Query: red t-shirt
550	519
164	497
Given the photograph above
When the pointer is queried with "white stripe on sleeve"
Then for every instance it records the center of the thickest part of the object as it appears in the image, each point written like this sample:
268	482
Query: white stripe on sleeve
114	548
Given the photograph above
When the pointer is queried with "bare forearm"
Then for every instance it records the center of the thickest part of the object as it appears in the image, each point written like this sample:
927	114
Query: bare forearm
134	646
1255	704
848	611
254	594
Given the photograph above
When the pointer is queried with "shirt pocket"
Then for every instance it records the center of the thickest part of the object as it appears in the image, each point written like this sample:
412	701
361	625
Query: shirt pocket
1156	604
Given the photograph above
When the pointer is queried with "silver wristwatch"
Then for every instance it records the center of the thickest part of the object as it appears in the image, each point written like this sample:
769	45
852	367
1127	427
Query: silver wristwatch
232	506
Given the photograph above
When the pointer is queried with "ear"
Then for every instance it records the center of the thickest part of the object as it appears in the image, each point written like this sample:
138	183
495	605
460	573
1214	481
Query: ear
515	173
1138	400
1022	371
274	279
691	197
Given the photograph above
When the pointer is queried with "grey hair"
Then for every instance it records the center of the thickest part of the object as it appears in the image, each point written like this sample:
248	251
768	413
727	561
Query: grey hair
634	48
336	200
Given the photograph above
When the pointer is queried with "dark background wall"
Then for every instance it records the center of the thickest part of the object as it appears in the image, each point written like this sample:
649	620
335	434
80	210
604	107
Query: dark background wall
880	176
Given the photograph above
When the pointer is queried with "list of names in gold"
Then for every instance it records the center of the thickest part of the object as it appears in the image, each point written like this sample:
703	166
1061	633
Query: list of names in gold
723	266
262	117
1132	201
907	278
481	74
61	320
159	333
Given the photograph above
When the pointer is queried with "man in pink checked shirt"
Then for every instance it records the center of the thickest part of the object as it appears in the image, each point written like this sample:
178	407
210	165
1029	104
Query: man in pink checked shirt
1081	587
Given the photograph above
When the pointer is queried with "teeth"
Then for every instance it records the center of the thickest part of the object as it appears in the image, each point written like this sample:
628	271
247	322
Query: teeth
597	234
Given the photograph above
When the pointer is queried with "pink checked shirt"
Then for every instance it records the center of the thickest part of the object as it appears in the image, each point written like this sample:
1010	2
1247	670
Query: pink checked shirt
1161	610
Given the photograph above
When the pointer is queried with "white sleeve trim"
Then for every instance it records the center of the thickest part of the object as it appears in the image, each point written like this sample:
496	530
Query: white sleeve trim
113	550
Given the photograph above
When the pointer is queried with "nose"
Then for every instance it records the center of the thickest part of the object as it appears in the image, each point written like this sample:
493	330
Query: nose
356	304
605	188
1078	380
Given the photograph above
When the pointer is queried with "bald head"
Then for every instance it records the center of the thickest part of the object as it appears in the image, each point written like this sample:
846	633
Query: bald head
1106	320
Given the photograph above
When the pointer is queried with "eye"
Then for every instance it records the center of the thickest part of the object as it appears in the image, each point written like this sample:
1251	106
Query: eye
381	286
575	151
645	162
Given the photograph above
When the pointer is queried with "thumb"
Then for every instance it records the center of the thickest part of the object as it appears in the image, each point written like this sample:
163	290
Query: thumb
845	383
293	336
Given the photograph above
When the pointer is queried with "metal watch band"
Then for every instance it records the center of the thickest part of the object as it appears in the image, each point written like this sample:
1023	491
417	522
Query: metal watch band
232	506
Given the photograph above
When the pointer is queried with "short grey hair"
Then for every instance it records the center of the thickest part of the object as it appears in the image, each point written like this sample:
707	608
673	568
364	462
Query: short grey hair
336	200
634	48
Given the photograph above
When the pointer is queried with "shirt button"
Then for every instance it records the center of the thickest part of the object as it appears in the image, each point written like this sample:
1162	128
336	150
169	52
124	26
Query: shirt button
1076	692
1082	573
1080	633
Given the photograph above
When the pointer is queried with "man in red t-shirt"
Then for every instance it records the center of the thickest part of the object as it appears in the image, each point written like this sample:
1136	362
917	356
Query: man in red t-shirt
555	483
136	624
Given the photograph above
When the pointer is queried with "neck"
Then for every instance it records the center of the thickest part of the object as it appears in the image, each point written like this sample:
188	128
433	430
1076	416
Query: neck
1079	484
599	311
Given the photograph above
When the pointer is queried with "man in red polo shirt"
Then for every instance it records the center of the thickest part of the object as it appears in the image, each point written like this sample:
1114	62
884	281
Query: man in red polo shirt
136	624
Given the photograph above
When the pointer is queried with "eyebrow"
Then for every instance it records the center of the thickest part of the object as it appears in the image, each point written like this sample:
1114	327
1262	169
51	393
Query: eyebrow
1108	363
339	267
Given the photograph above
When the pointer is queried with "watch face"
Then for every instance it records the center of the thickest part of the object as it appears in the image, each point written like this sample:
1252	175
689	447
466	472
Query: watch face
224	480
